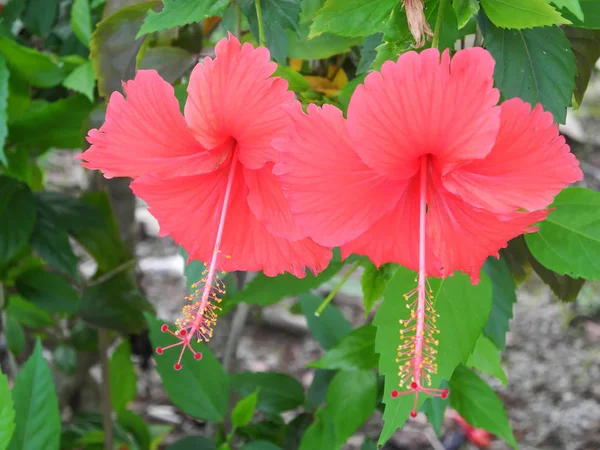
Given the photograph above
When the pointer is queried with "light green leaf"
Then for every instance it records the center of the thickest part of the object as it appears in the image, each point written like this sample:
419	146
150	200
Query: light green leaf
329	327
7	413
585	45
503	299
242	413
278	392
590	10
200	388
519	14
297	82
486	359
568	241
82	80
321	434
463	311
354	352
352	17
374	281
17	216
477	403
177	13
48	291
37	417
572	5
465	9
81	21
4	76
122	377
321	47
536	65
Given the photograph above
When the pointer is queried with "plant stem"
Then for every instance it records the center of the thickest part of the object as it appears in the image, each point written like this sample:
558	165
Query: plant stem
261	27
103	344
435	42
335	290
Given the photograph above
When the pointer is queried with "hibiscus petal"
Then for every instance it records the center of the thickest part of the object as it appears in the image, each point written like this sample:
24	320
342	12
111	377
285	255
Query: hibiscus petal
333	195
529	164
395	236
463	236
145	133
234	96
423	105
189	208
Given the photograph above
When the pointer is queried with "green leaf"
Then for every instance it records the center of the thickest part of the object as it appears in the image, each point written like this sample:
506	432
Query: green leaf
318	388
590	10
465	9
434	408
503	299
374	282
572	5
4	77
177	13
368	444
354	352
368	53
260	445
36	68
40	15
37	417
264	290
565	288
569	239
321	434
486	359
114	46
7	413
536	65
28	314
448	25
82	80
519	14
81	21
17	216
136	426
351	400
585	45
200	388
278	392
193	443
463	311
58	124
329	327
297	82
19	98
477	403
352	17
346	94
321	47
48	291
158	433
122	377
242	413
15	336
65	359
171	63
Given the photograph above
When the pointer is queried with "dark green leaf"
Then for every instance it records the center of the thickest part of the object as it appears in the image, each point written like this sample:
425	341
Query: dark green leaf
136	426
486	359
65	359
37	417
536	65
122	377
565	288
177	13
519	14
477	403
28	314
15	336
171	63
4	77
590	10
82	80
81	21
278	392
368	52
503	299
84	337
58	124
40	16
352	17
368	444
48	291
329	327
7	413
242	413
585	45
516	255
17	216
465	9
260	445
374	281
193	443
318	388
321	434
434	408
568	241
572	5
448	32
354	352
19	98
114	46
200	388
463	311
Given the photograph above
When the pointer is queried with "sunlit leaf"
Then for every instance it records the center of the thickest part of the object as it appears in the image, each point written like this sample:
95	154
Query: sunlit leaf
242	413
590	9
177	13
81	21
519	14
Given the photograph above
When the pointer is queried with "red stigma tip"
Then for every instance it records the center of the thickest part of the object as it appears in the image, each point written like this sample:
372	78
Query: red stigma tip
197	356
177	366
413	414
445	393
394	393
159	350
182	333
414	385
164	328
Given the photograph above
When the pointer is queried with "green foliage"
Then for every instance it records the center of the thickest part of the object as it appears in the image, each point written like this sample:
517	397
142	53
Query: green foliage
176	13
48	291
486	359
190	389
572	5
590	10
82	80
536	65
81	21
585	45
330	326
193	443
242	413
477	403
28	314
321	435
355	351
17	216
519	14
7	413
36	406
569	239
465	9
15	336
374	282
122	377
277	392
463	309
565	288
